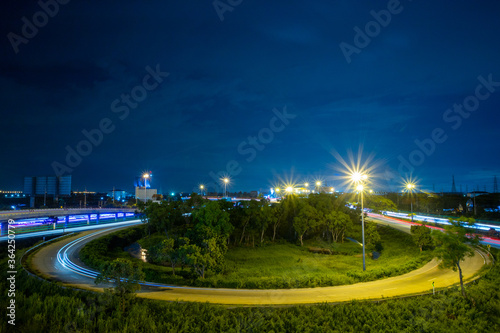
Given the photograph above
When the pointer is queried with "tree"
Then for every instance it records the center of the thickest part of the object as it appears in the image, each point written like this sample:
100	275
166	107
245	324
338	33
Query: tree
305	220
372	237
208	238
212	216
421	236
338	223
380	203
208	255
277	217
265	217
166	217
454	245
125	276
168	252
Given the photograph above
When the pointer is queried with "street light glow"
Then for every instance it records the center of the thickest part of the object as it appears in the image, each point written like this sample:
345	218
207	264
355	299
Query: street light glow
410	186
225	180
356	177
289	189
359	187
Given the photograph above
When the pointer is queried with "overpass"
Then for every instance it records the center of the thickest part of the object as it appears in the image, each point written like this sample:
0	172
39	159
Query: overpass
52	219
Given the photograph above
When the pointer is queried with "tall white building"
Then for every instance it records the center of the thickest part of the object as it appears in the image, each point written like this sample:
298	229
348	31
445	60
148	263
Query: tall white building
145	194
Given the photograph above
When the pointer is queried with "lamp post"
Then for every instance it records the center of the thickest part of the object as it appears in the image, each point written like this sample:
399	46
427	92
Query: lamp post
201	189
410	187
318	185
226	181
145	176
358	179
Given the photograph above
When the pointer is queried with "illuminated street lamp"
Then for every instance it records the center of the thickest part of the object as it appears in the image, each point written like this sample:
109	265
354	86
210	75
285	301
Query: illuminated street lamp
226	181
145	176
318	185
410	187
201	189
289	189
358	178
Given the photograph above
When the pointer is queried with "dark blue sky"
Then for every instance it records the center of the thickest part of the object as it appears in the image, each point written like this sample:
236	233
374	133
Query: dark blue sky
225	78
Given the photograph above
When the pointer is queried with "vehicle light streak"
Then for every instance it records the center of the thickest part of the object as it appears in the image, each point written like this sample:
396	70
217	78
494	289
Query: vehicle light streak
429	219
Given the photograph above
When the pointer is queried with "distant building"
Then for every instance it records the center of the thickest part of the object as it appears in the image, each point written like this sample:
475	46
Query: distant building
118	195
145	194
47	186
143	190
54	186
157	198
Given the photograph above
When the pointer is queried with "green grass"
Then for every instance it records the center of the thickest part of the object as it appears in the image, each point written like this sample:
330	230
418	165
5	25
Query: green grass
291	266
286	265
279	265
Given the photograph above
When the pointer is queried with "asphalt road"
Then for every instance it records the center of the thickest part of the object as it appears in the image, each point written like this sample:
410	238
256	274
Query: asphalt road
419	281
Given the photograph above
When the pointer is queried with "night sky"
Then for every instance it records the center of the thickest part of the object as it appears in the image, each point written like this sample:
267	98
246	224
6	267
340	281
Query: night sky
262	90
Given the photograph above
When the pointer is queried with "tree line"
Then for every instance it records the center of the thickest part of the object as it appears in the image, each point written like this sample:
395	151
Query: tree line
197	232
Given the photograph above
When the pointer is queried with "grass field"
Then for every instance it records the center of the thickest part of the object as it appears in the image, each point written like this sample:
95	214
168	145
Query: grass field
286	265
290	266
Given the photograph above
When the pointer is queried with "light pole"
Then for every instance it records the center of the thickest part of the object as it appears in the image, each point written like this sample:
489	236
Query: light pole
358	179
318	185
410	187
201	189
226	180
146	176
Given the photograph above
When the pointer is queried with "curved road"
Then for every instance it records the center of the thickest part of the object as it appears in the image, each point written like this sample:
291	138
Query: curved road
46	264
